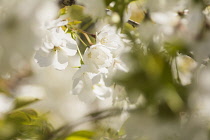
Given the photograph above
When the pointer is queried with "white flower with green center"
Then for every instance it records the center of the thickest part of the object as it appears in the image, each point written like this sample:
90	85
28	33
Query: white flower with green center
57	47
98	58
109	37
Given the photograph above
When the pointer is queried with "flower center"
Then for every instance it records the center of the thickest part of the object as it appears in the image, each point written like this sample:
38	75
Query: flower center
104	40
56	48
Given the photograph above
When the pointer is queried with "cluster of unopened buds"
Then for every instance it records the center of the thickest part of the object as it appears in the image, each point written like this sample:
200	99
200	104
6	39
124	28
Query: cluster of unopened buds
99	61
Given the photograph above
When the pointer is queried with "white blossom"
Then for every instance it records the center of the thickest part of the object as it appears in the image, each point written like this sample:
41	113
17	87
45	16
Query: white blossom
82	85
89	85
112	40
109	37
101	90
102	60
182	68
56	48
98	58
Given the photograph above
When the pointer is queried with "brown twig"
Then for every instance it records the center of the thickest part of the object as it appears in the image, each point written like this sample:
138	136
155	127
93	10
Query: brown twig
133	23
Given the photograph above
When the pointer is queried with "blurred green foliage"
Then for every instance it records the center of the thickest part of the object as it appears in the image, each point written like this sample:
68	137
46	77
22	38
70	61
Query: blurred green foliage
24	124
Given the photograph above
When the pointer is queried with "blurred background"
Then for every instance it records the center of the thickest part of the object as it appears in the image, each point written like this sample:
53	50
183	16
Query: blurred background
165	95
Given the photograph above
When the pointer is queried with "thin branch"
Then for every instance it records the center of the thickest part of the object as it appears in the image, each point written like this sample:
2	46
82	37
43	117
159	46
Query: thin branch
65	130
87	38
133	23
81	31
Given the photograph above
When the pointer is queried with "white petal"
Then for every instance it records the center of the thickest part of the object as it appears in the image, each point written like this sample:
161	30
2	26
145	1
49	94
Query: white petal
62	57
61	23
92	67
78	85
48	45
103	70
87	95
102	92
43	59
87	78
80	72
71	43
96	79
69	52
56	64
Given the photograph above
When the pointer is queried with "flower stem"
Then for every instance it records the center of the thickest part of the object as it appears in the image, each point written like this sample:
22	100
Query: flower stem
87	37
80	54
82	41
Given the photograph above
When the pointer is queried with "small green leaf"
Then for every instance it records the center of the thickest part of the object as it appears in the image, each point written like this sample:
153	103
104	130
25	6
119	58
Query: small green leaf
63	11
20	102
18	116
75	22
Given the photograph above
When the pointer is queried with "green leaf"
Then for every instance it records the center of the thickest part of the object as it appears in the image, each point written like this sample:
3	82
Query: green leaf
20	102
75	22
81	135
23	115
28	123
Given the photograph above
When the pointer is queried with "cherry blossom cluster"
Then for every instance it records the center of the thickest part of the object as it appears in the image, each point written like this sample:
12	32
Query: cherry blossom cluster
100	61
